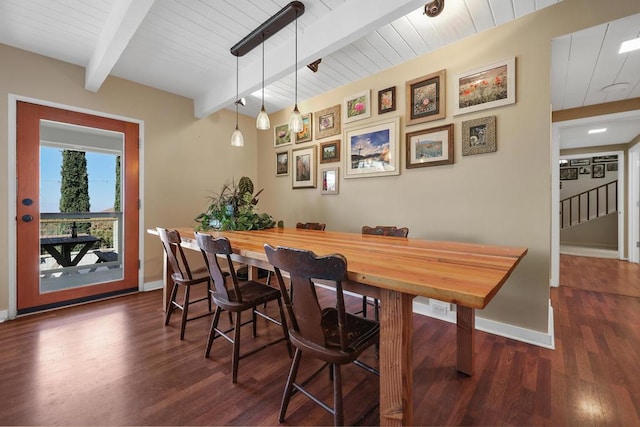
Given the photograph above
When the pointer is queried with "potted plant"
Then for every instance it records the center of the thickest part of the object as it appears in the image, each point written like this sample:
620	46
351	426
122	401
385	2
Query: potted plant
233	208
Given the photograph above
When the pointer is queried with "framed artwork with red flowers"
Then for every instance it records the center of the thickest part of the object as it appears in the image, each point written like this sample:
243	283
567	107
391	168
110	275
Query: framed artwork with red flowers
387	100
357	107
493	85
426	98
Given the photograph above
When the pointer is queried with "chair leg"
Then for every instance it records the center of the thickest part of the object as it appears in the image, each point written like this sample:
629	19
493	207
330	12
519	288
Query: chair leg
212	332
285	328
254	323
170	306
185	311
376	310
338	412
288	388
364	306
236	348
209	293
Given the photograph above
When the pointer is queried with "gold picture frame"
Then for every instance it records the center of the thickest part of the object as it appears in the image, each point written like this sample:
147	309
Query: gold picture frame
327	122
479	136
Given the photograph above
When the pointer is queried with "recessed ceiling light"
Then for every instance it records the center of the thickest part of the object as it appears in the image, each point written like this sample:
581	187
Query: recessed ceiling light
597	130
616	87
629	45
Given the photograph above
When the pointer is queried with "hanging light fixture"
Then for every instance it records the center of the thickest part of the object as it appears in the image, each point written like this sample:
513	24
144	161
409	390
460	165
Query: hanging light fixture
237	140
295	122
262	121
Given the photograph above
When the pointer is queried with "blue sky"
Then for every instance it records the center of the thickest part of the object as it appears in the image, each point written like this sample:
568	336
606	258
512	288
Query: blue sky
102	179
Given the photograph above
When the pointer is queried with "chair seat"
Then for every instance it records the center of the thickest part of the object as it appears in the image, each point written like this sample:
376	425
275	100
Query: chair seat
360	331
253	293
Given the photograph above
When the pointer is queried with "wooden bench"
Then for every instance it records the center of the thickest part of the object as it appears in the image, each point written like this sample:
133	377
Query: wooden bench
105	256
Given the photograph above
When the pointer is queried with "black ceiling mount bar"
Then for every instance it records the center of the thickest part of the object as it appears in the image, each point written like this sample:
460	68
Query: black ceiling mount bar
284	17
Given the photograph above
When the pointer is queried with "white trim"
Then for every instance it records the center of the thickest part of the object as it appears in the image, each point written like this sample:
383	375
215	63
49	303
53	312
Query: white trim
554	279
529	336
634	204
4	315
153	286
12	191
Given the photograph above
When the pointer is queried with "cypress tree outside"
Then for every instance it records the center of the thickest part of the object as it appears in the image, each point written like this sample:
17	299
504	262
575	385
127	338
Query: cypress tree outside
74	190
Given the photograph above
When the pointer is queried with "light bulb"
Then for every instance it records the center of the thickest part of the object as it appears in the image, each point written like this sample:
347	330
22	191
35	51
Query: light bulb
262	121
295	122
237	140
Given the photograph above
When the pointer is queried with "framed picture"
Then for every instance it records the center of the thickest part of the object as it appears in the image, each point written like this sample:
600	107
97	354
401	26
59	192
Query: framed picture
597	171
372	149
613	166
490	86
479	136
304	167
430	147
282	163
580	162
584	170
305	134
330	181
564	163
568	173
387	100
603	159
330	151
281	135
327	122
357	107
426	98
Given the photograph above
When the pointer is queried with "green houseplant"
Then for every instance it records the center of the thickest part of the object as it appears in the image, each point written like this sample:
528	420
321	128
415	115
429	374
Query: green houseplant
233	208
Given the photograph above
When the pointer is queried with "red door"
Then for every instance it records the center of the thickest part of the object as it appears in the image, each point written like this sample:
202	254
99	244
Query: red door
31	295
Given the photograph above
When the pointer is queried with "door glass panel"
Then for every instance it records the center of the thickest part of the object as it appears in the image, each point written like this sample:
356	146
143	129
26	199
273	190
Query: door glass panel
81	221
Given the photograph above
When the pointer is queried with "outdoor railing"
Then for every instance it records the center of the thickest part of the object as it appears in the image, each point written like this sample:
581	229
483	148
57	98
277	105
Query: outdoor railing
107	226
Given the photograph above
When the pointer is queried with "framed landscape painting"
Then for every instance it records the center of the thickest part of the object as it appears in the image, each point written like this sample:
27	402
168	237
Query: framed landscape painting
430	147
282	163
490	86
330	151
372	150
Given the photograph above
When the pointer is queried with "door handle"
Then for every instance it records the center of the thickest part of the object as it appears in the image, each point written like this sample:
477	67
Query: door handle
27	218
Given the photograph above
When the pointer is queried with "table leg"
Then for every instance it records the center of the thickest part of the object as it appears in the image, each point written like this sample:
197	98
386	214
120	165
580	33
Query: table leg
396	370
466	325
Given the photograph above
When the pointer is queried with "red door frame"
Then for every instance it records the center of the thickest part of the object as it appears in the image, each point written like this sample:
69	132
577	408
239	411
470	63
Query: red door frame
28	293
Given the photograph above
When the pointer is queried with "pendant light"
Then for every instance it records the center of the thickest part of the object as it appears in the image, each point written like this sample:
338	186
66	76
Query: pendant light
262	121
237	140
295	122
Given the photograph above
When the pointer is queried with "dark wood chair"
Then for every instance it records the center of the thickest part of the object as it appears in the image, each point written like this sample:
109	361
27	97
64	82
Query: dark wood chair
234	296
182	276
329	334
311	225
380	230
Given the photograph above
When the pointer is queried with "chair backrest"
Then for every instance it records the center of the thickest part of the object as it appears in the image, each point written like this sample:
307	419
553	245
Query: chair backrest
386	230
175	254
304	311
311	225
211	248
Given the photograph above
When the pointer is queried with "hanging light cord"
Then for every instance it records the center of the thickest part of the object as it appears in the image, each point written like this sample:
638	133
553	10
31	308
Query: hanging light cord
296	64
237	77
263	72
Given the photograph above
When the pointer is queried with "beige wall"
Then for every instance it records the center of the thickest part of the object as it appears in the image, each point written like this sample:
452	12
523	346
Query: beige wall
184	158
501	198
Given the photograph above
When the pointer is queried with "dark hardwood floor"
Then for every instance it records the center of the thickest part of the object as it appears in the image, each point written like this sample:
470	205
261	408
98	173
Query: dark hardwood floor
115	363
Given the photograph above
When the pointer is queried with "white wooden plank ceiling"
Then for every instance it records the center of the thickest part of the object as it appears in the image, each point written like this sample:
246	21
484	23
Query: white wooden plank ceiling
182	46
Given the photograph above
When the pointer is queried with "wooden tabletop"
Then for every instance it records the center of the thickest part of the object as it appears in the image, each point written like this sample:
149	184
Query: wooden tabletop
463	273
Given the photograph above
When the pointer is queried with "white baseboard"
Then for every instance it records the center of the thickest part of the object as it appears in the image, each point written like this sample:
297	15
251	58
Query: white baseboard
152	286
4	315
546	340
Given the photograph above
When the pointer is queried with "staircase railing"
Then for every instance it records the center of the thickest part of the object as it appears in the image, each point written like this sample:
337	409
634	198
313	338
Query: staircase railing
589	205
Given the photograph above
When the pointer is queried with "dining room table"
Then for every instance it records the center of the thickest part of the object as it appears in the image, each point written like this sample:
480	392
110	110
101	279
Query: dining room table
395	270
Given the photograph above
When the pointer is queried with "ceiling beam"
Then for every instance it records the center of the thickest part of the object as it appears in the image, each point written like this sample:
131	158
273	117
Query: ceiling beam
124	19
344	25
